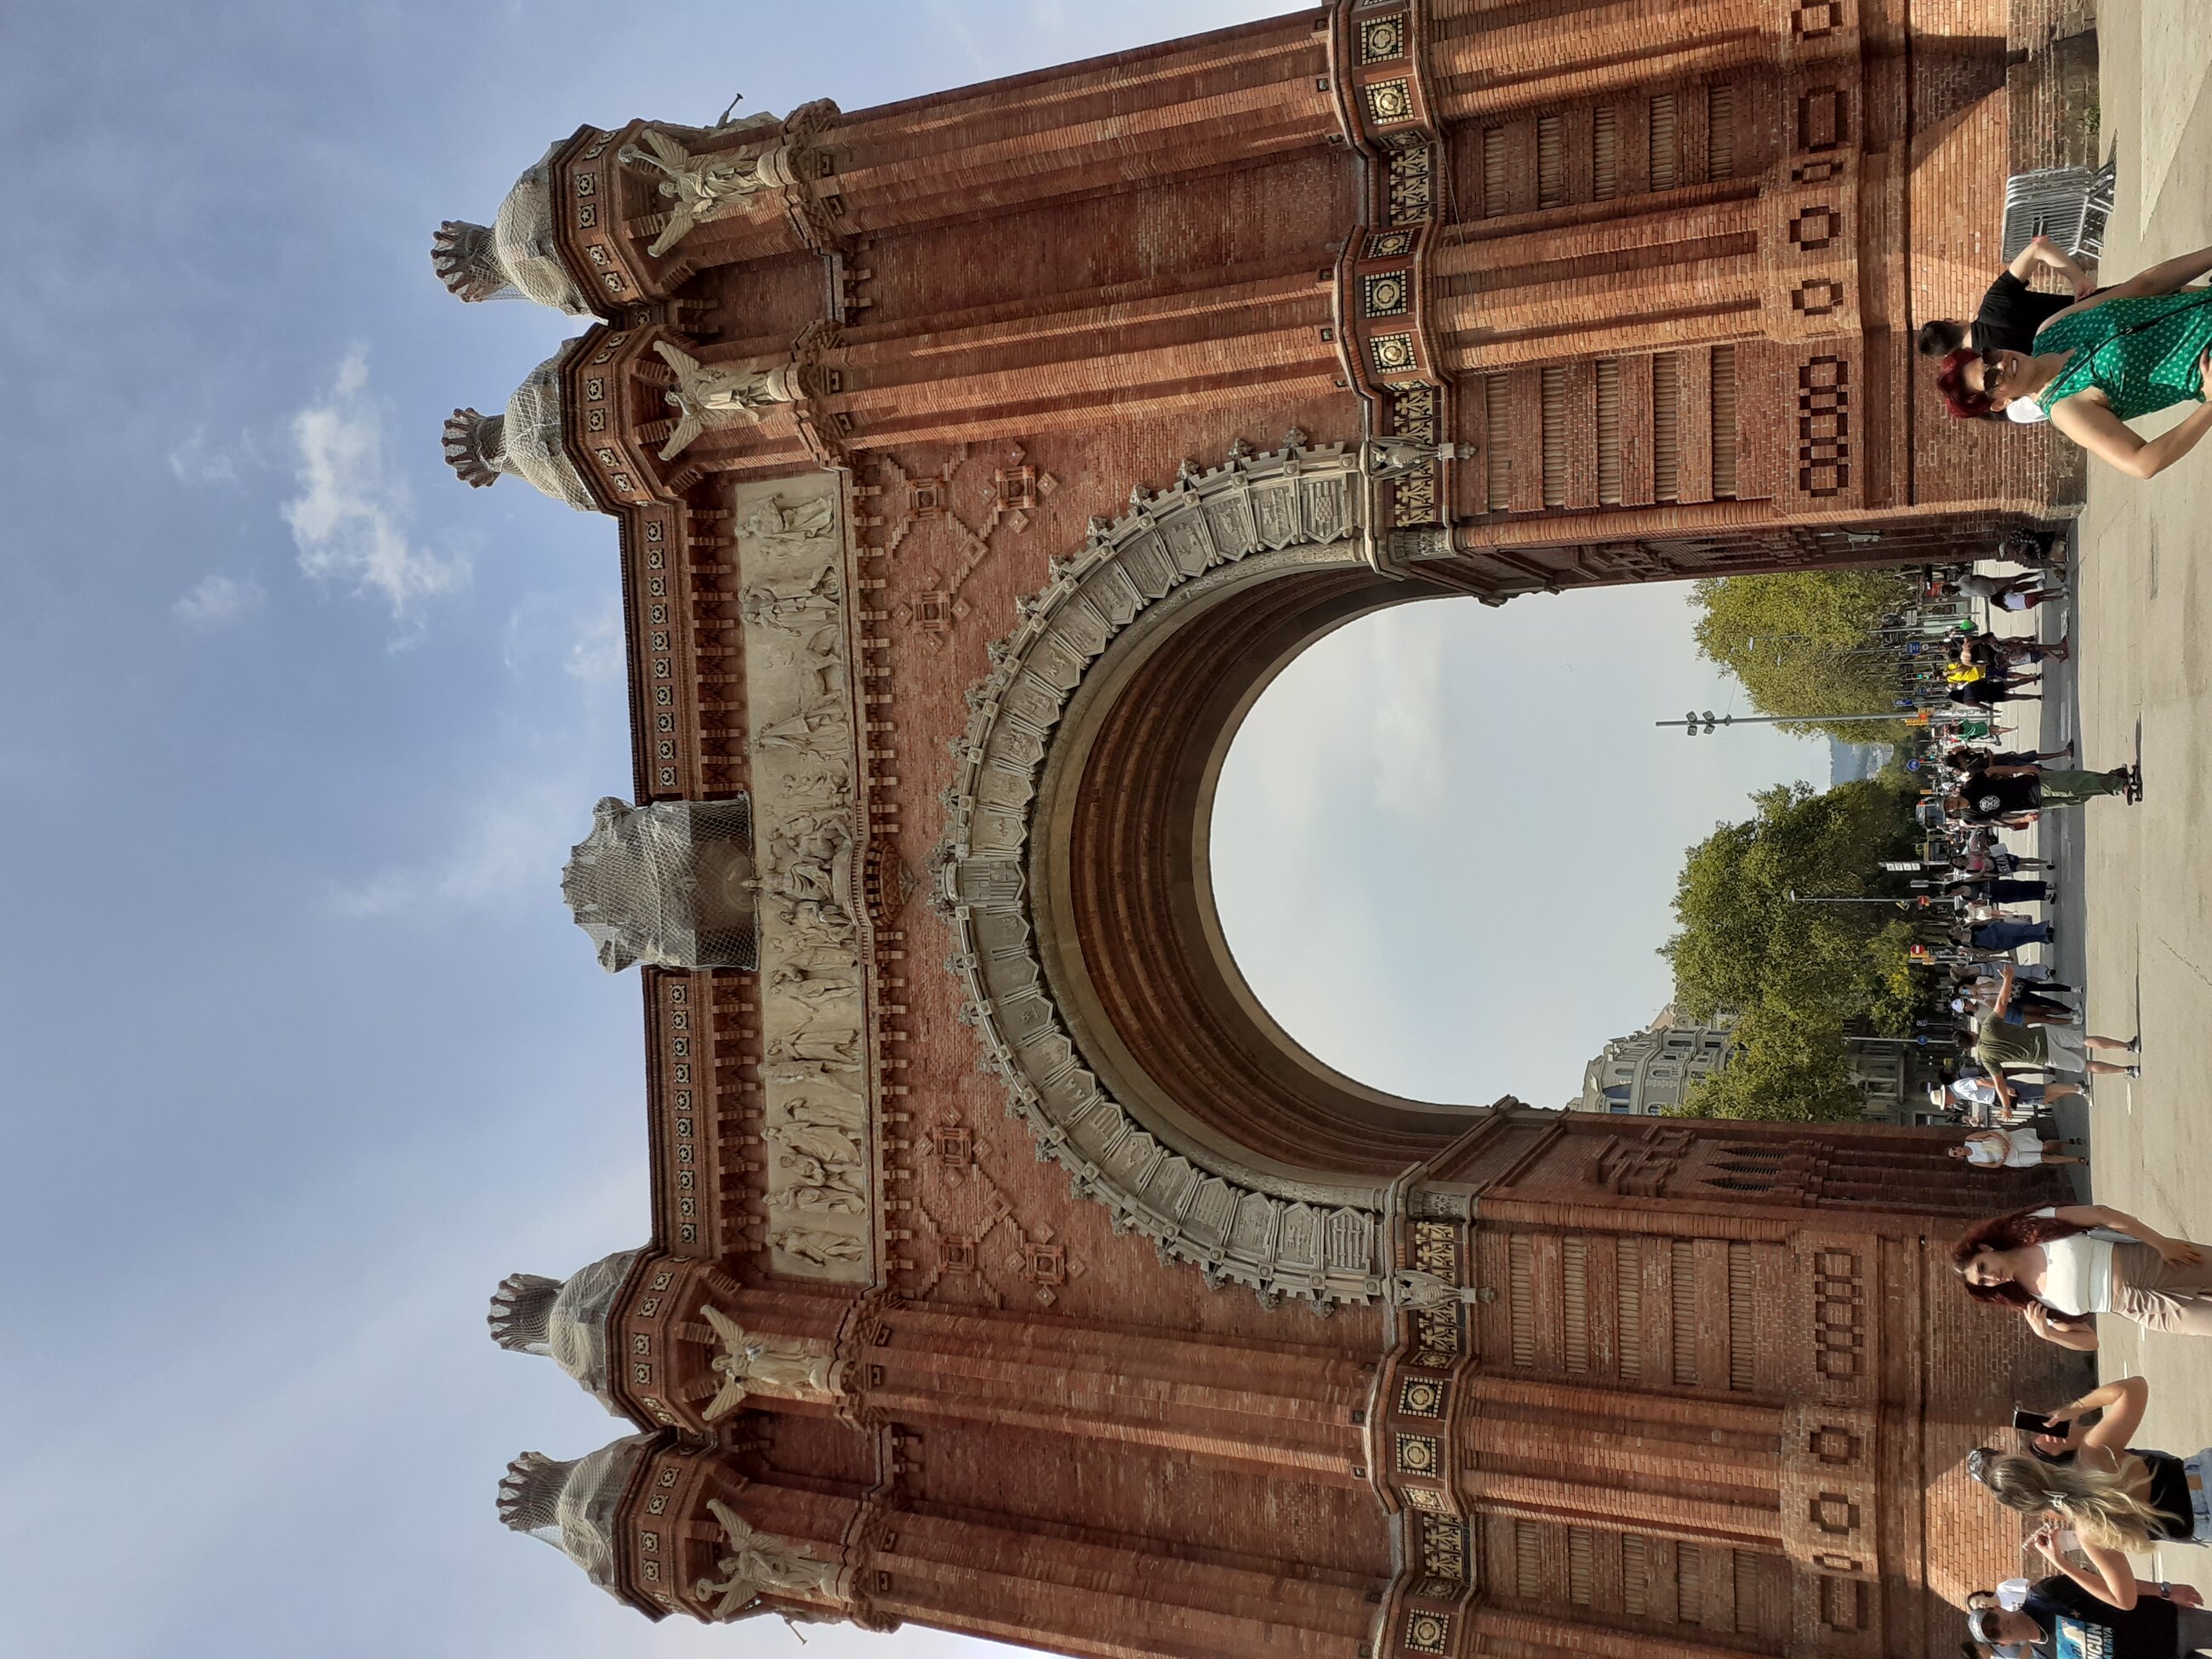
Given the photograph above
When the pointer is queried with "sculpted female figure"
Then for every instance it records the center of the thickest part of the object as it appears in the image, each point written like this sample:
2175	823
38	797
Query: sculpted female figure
2124	353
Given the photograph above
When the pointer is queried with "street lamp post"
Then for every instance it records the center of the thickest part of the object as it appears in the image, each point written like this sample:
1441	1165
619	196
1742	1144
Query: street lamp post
1705	722
1795	897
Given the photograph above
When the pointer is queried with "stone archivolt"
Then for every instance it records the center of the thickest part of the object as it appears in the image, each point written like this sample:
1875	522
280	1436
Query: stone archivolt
1228	1225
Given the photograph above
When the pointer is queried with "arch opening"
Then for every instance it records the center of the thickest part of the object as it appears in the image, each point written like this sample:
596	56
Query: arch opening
1132	941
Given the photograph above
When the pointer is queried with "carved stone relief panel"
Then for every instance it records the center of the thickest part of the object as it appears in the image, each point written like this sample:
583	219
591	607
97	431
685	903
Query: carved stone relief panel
793	587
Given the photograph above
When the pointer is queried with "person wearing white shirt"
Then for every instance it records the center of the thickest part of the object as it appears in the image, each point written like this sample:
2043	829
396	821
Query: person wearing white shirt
2060	1268
2011	1149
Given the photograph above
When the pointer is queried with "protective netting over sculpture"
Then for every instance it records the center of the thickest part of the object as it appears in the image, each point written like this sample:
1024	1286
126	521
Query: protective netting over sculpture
515	256
524	443
572	1506
670	883
565	1320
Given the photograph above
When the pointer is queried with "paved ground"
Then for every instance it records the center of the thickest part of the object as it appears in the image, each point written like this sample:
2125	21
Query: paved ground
2138	919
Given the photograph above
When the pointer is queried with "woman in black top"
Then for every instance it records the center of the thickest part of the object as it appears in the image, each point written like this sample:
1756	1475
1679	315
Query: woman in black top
2011	311
2118	1498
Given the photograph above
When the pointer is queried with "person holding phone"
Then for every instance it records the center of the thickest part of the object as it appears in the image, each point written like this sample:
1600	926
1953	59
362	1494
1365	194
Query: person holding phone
2059	1267
2118	1498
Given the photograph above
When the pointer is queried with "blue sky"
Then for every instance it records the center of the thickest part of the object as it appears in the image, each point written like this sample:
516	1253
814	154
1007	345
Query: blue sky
301	1051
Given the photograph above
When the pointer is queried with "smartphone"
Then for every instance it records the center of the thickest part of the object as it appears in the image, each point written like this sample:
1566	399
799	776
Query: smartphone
2028	1422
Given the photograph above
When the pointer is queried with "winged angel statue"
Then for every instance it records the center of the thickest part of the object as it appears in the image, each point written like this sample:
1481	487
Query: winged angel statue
749	1362
706	398
758	1562
698	188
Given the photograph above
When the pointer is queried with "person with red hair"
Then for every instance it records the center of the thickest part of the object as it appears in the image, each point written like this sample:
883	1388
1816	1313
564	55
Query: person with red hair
2011	313
2061	1267
2124	352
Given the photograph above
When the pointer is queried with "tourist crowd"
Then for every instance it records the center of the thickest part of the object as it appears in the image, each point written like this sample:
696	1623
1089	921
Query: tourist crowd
2089	360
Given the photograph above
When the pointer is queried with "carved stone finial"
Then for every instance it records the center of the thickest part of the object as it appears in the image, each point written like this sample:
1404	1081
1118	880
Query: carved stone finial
474	443
1188	471
530	1491
1294	438
522	1313
463	256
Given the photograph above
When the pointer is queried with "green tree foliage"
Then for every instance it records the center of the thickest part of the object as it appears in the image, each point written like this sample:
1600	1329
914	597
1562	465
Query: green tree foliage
1803	642
1784	1065
1795	974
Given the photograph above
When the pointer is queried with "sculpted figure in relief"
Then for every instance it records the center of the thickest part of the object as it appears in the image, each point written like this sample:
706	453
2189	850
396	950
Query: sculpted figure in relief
802	731
832	1147
797	1075
824	1111
822	1249
827	1045
814	986
776	520
759	1564
819	835
753	1364
814	924
797	611
824	654
814	1186
823	780
809	879
810	857
698	188
705	399
1417	1289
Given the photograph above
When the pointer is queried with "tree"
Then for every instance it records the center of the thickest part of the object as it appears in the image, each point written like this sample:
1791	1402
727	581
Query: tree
1795	974
1806	642
1781	1065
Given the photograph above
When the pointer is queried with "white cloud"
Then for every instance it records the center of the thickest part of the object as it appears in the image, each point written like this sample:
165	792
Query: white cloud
508	853
217	601
349	518
596	654
195	461
587	638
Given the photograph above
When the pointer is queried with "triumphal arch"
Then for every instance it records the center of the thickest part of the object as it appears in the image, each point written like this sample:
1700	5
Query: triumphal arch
976	461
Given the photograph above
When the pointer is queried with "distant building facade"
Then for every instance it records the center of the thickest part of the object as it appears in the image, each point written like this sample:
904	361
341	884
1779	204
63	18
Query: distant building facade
1649	1073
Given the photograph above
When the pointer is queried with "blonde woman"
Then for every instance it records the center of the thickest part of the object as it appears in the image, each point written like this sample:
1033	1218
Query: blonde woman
2118	1499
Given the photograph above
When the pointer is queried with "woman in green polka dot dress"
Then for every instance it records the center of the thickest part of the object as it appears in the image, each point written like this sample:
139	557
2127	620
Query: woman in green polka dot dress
2125	352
